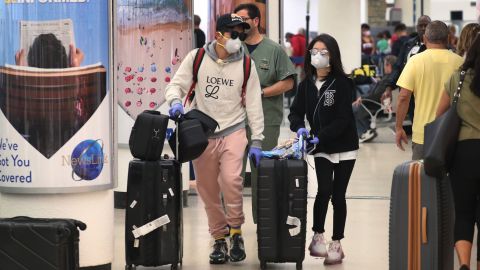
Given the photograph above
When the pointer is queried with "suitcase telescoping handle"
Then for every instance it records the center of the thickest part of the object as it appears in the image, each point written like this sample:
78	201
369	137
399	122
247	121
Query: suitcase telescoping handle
177	119
82	226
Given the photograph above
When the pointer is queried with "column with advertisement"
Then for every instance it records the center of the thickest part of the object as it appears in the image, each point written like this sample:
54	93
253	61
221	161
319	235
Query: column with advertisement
56	113
152	39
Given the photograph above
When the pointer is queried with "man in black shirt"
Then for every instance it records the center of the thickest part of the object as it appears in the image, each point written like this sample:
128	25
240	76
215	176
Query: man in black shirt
199	34
401	32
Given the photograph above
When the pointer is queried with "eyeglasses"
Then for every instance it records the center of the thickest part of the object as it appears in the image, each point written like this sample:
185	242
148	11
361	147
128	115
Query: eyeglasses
315	51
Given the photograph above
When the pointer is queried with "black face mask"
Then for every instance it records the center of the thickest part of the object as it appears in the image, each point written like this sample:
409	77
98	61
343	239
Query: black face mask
240	35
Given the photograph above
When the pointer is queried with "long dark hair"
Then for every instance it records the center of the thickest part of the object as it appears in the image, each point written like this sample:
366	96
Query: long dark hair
473	62
47	52
336	66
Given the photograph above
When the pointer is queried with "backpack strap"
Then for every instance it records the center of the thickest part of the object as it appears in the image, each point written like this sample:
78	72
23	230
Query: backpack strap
247	67
196	66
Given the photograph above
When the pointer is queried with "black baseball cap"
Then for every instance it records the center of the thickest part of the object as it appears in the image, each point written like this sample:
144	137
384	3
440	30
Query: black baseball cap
230	20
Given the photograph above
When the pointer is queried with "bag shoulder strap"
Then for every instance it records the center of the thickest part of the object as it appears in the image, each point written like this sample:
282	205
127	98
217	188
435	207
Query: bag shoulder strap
196	66
456	96
247	66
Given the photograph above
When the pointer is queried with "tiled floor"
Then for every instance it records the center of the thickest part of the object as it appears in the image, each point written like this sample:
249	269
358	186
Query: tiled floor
366	241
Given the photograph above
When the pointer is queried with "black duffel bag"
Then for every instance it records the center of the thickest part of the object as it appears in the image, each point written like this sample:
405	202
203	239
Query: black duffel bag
148	135
194	129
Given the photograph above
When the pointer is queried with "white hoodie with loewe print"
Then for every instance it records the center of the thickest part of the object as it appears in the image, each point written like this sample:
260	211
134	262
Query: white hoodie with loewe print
218	92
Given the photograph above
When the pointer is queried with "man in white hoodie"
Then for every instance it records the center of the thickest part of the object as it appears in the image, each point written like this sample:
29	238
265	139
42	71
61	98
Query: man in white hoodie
218	93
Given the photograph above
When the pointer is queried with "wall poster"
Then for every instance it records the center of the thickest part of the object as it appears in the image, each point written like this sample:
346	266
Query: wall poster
151	39
55	105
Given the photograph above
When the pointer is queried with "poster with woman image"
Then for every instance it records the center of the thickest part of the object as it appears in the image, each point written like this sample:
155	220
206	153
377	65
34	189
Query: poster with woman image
151	39
55	106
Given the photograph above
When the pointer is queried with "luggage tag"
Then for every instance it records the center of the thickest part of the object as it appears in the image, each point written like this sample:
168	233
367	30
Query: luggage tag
294	221
132	205
151	226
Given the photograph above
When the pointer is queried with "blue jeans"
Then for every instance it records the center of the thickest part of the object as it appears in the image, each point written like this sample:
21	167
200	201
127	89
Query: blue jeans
362	119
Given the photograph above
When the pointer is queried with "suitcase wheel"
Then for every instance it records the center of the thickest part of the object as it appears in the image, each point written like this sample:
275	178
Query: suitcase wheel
299	266
263	265
174	267
130	267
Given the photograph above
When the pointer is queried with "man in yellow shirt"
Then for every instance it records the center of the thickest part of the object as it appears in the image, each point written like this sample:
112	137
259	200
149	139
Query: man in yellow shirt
424	75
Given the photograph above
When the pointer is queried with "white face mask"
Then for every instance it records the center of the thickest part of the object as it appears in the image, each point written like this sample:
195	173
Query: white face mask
320	61
233	45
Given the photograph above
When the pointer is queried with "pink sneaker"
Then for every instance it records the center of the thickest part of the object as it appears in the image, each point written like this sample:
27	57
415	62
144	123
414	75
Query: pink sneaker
335	253
318	246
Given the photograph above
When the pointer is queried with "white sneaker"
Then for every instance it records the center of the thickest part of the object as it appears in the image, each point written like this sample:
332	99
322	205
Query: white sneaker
318	246
335	253
367	136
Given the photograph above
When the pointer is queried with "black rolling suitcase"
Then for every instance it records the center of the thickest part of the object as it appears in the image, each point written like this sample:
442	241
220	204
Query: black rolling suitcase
153	222
421	220
282	211
148	135
39	244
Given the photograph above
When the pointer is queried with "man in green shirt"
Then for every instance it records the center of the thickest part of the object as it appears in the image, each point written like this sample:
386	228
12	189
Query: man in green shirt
276	73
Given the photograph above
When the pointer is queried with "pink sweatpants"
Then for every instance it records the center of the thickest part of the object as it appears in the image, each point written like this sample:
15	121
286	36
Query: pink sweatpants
218	170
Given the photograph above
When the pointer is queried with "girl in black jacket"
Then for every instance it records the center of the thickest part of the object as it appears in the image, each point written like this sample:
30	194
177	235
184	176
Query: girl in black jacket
325	97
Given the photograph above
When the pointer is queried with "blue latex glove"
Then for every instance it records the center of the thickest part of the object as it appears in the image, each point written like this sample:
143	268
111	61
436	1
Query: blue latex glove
176	110
255	155
302	132
314	140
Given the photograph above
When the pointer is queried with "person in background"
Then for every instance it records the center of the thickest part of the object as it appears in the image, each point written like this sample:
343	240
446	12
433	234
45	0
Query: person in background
368	45
467	36
465	172
288	44
218	169
362	117
412	47
402	38
424	76
277	75
452	37
325	98
382	43
415	45
299	45
199	34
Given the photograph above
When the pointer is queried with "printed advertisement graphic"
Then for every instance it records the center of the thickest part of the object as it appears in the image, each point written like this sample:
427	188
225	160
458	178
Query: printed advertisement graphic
56	109
152	37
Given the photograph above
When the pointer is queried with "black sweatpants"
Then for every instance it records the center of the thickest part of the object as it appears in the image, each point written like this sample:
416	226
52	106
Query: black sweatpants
465	179
332	181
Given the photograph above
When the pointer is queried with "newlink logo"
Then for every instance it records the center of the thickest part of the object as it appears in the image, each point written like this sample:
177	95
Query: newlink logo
72	161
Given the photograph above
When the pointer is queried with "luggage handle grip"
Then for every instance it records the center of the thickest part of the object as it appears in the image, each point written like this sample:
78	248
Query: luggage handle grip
82	226
424	225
